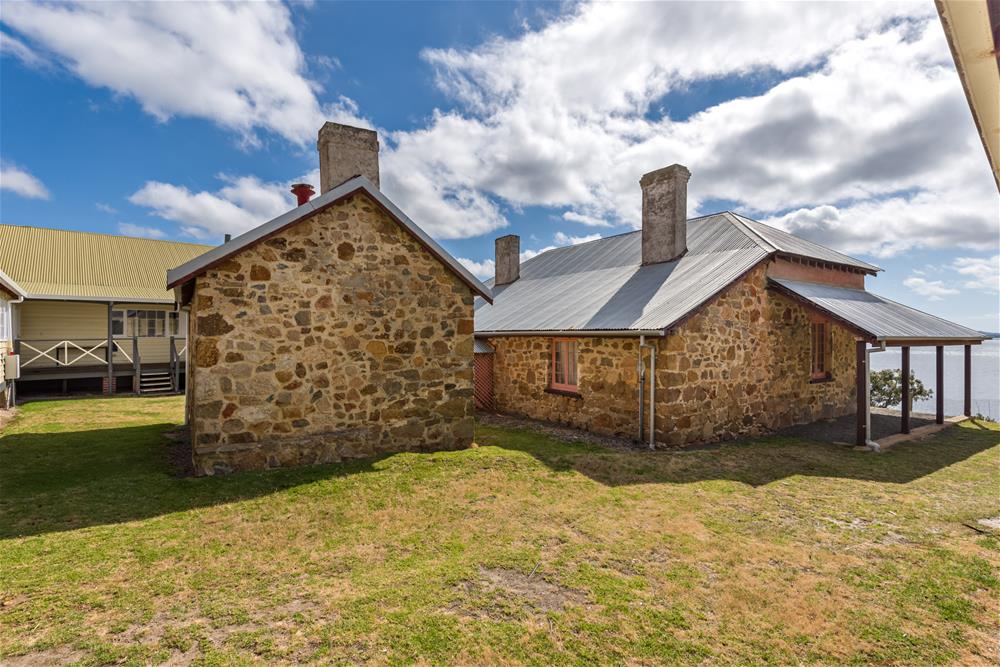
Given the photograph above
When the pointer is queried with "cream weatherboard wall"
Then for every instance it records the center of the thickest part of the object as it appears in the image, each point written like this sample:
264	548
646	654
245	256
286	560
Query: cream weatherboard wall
44	323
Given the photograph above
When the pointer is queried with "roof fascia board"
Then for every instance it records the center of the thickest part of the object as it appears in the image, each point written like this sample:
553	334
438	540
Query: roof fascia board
8	284
216	256
574	333
96	299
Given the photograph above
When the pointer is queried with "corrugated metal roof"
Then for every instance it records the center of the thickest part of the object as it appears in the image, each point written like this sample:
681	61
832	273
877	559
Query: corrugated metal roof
793	245
192	268
63	264
879	317
602	286
480	346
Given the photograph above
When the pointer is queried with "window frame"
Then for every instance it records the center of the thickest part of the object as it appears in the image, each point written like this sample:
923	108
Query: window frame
6	321
571	362
136	322
819	372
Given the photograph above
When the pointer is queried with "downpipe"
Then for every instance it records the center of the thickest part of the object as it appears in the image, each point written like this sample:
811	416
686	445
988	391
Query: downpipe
872	445
652	392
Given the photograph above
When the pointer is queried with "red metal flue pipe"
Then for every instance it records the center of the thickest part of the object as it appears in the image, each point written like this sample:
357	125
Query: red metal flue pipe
303	192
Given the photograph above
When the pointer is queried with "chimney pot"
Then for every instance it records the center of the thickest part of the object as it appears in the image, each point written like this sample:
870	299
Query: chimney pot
346	152
303	192
508	259
664	214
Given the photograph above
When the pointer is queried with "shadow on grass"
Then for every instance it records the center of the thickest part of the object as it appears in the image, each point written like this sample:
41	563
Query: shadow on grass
67	480
756	462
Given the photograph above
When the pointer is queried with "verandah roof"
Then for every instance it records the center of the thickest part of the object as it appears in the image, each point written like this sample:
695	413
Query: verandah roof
876	317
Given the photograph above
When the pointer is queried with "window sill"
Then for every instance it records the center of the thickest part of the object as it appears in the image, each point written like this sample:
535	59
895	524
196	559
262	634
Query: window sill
821	380
563	392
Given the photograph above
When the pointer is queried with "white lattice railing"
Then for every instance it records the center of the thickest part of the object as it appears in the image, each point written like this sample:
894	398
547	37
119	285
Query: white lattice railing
42	352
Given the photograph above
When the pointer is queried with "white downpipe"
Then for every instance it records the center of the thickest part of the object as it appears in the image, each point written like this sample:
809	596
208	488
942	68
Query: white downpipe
652	395
874	446
652	390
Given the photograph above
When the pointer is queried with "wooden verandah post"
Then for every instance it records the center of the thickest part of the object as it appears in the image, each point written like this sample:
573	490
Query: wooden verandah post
968	381
905	426
939	370
861	377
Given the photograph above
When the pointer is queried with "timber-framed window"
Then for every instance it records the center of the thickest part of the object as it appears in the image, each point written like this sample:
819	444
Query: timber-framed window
563	374
821	349
144	323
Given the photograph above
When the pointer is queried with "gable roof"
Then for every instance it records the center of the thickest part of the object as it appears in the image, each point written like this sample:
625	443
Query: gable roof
10	286
602	286
198	265
875	316
85	266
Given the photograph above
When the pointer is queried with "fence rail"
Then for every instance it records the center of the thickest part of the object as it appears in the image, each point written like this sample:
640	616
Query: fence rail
63	353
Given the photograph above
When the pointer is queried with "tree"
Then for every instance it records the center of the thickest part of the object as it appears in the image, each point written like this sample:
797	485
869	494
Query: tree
887	388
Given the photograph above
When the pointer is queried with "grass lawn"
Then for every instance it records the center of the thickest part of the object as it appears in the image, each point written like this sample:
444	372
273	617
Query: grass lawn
524	549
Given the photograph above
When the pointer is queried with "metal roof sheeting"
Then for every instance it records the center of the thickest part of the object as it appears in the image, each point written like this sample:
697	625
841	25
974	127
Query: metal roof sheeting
790	244
480	346
602	285
194	267
879	317
63	264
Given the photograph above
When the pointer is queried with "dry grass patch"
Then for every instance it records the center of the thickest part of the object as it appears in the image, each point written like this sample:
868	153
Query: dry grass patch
524	550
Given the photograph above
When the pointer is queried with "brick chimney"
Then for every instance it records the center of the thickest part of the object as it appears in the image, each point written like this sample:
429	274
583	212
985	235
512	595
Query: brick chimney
508	259
664	214
345	152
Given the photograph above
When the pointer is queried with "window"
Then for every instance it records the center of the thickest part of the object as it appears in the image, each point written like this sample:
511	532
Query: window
144	323
820	349
5	320
563	376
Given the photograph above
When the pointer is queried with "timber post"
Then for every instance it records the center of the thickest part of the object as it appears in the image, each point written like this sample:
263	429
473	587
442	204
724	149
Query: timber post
939	417
905	426
861	375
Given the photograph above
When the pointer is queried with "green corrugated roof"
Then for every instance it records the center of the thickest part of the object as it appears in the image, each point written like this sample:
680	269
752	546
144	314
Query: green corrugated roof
57	263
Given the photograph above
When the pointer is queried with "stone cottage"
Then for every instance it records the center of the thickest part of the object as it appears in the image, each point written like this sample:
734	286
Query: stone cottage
690	331
337	330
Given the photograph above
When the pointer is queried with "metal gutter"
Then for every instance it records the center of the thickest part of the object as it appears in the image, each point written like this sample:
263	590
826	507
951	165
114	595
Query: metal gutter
98	299
576	333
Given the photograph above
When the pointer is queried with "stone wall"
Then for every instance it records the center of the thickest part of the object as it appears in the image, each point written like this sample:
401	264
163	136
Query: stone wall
341	337
739	367
607	379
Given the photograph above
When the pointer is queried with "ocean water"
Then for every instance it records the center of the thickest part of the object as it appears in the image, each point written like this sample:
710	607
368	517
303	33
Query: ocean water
985	376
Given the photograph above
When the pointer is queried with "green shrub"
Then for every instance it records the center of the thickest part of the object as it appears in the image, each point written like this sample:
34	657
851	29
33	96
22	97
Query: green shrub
887	388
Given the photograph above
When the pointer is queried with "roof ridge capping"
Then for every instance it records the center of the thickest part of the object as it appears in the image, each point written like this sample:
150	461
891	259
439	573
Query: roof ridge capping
217	255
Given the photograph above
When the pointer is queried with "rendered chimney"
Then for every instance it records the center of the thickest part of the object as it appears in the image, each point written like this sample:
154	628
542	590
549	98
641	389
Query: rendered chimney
346	152
664	214
508	259
303	192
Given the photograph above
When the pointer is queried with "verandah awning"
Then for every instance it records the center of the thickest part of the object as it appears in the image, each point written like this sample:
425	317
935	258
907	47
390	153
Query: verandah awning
876	318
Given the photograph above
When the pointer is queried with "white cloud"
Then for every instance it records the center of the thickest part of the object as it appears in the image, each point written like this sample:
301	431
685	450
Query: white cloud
983	272
128	229
483	270
19	181
561	238
933	290
241	204
867	140
10	45
590	221
105	208
237	64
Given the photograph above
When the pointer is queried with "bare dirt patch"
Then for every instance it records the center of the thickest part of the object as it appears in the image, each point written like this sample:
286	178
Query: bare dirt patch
502	593
62	655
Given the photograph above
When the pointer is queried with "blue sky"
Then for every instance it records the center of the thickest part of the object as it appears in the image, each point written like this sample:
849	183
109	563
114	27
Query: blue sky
187	121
